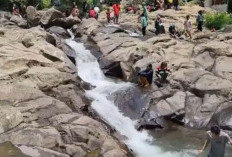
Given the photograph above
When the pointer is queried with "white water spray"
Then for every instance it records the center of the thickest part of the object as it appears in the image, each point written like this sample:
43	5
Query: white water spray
89	71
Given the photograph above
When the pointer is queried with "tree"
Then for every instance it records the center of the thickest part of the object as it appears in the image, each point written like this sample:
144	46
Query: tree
229	6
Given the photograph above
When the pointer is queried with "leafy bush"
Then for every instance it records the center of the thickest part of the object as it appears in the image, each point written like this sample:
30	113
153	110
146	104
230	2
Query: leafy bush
217	20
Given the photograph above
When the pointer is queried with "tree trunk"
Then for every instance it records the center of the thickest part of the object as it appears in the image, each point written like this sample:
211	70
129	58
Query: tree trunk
229	6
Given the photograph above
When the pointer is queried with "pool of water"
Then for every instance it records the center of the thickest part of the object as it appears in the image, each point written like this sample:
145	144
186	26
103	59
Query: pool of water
184	140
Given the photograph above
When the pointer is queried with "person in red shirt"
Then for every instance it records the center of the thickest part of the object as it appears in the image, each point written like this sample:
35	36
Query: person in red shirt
116	8
92	13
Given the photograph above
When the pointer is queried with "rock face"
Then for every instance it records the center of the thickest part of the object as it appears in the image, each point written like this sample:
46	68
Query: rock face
200	83
41	99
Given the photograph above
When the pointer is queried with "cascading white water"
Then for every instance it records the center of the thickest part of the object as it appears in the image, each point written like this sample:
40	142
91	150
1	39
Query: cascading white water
88	69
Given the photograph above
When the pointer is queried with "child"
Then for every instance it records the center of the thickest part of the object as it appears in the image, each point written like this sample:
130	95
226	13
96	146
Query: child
188	26
108	15
144	24
162	72
200	19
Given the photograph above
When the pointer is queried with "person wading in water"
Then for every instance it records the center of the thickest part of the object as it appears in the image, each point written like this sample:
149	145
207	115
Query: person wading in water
218	139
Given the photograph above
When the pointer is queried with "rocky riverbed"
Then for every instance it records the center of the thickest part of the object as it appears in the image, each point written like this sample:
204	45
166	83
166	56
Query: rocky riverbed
44	111
43	108
199	92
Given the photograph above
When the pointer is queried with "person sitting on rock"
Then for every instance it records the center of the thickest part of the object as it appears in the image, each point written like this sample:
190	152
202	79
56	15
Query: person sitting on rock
173	32
159	26
162	72
146	76
92	13
16	10
188	26
75	11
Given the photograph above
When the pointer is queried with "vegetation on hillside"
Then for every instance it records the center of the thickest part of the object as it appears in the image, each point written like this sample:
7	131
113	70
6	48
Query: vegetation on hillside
217	20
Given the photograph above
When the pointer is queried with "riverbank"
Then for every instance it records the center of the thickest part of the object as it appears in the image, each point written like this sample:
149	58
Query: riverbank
44	111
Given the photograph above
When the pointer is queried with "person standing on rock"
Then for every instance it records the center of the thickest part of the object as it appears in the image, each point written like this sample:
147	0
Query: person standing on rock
75	11
144	24
145	12
188	26
116	8
200	20
218	139
108	15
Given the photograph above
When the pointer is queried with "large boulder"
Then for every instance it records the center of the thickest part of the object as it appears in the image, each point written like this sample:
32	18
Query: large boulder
205	60
87	26
59	32
50	15
47	137
171	105
40	152
10	117
223	67
210	83
227	29
31	12
214	47
19	21
110	68
66	23
222	116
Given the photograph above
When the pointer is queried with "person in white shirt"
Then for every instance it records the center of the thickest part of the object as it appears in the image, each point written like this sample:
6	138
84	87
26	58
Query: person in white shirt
97	10
188	26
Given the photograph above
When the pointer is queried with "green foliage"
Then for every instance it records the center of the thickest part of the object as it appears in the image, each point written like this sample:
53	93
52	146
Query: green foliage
217	20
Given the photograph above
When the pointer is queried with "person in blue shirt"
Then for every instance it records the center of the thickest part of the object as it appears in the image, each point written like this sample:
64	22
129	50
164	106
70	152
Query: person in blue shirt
146	76
144	24
200	20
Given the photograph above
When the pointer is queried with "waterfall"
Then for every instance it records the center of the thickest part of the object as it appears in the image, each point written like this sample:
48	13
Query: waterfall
89	70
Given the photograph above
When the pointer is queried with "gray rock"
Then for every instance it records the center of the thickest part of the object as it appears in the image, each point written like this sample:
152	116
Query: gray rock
59	32
10	117
40	152
50	15
66	23
19	21
31	12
